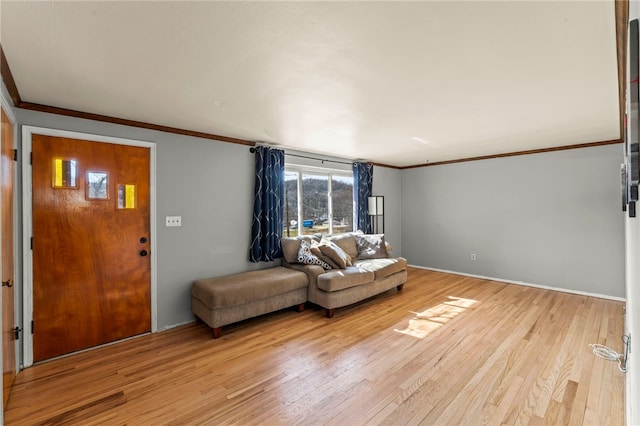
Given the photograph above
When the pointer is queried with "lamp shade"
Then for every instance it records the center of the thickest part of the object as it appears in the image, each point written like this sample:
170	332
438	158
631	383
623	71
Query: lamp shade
376	205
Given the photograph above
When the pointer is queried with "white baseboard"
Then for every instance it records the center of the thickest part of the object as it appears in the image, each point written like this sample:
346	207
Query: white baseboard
562	290
169	327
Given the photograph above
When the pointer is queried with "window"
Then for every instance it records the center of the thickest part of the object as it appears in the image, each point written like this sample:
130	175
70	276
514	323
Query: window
126	196
65	173
290	204
97	184
317	201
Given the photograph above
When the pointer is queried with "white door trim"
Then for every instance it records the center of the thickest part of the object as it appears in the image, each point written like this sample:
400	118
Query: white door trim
27	224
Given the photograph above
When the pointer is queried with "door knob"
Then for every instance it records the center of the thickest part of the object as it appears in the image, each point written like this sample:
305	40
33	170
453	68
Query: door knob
143	253
7	283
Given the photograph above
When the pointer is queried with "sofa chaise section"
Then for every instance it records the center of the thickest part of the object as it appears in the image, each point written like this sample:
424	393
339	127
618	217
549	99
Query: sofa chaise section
224	300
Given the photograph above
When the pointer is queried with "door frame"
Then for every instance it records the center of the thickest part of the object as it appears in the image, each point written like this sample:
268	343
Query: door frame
27	192
8	109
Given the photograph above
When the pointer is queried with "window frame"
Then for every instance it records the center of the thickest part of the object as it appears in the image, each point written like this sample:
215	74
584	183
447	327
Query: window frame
327	172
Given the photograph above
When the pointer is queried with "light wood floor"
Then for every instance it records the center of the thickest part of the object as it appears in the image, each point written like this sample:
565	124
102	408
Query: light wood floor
446	350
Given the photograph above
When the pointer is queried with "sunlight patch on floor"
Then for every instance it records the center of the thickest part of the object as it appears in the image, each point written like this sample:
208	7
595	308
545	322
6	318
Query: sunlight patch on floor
426	322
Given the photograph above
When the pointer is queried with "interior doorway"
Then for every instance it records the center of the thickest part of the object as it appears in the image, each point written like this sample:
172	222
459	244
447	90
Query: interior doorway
8	265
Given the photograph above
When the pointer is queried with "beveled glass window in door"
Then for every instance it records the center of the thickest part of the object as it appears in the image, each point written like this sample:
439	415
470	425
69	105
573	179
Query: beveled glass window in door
65	173
97	185
126	196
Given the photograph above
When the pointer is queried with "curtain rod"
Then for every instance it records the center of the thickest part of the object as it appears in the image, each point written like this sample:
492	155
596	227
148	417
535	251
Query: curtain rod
252	150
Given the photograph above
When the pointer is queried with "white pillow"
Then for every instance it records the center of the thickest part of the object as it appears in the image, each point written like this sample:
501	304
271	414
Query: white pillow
371	246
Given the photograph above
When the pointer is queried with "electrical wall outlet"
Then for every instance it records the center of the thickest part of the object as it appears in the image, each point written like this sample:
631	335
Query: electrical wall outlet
473	256
173	221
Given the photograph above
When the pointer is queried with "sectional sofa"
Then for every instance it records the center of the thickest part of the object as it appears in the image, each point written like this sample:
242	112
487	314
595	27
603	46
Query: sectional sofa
331	272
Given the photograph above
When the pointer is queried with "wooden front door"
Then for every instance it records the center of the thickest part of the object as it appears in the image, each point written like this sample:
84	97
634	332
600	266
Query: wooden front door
8	316
91	263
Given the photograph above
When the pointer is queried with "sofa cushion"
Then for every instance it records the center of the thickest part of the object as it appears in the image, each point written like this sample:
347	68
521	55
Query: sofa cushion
290	247
245	287
344	278
371	246
335	253
346	242
305	256
382	267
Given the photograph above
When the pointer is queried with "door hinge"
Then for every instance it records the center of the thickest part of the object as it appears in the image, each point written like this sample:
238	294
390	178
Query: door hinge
31	244
31	326
16	332
15	155
31	158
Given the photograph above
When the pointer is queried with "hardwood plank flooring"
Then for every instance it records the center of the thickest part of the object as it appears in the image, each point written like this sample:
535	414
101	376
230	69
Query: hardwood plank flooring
448	349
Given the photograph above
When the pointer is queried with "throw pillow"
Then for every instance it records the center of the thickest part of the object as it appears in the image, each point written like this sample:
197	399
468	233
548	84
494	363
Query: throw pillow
371	246
291	245
317	237
336	254
305	256
315	249
346	242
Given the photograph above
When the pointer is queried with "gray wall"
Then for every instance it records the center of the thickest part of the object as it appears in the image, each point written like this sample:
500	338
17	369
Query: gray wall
551	219
209	184
388	182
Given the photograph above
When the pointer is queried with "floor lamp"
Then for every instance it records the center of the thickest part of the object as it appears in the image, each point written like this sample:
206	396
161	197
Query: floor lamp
376	213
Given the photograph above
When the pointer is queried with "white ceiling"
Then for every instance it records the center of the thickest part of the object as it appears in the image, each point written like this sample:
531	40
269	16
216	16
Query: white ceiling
398	83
